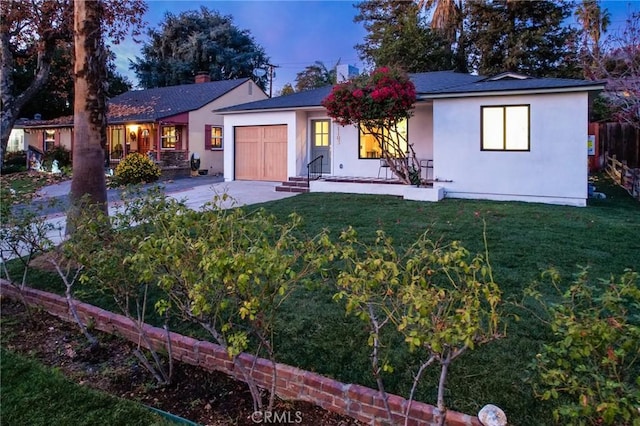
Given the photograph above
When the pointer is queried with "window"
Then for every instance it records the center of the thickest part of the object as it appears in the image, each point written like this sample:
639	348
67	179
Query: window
117	142
505	128
370	148
169	137
49	140
321	132
213	137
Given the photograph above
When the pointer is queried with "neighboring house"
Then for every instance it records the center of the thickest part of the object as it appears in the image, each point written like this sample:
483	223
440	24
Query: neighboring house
176	121
41	134
507	137
166	123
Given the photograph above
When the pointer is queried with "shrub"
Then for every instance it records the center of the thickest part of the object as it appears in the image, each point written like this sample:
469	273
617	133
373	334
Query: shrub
14	162
60	153
136	168
591	366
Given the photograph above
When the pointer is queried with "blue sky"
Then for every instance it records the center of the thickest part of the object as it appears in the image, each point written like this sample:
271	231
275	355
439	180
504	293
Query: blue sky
296	33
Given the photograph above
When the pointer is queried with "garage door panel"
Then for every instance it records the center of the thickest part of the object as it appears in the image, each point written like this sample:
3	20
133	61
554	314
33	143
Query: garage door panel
261	153
247	168
274	152
275	133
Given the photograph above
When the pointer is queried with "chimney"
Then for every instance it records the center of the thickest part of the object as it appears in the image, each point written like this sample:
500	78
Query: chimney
203	77
345	72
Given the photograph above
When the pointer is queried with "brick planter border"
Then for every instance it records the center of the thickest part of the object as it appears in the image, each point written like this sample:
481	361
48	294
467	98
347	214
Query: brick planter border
362	403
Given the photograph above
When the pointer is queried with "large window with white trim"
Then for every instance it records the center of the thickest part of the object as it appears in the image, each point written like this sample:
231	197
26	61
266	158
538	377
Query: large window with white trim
169	137
505	128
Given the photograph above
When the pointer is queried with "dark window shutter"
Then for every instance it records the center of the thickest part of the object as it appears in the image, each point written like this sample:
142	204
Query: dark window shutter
207	137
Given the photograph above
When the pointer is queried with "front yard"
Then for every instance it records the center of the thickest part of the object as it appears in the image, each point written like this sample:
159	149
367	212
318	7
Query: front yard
523	240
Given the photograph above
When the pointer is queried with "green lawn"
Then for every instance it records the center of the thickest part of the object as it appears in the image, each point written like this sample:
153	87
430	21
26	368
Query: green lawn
34	395
523	240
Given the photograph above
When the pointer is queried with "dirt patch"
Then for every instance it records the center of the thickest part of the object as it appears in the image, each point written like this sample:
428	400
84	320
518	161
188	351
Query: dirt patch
203	397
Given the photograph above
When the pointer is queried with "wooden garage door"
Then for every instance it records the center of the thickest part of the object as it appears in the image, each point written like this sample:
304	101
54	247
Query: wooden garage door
261	153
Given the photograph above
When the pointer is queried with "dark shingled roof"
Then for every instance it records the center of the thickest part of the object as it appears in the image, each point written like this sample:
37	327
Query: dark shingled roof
155	104
436	84
308	98
511	84
66	121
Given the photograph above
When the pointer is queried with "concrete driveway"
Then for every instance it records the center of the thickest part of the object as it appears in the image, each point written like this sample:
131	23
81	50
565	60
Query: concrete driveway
240	193
194	192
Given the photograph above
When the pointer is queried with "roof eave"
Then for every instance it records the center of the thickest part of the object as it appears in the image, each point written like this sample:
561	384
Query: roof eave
511	92
287	109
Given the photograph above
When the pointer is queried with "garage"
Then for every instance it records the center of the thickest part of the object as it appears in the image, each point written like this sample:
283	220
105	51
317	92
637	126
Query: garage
261	153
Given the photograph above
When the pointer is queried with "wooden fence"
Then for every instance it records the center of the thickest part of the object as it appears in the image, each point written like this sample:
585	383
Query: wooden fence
624	175
621	140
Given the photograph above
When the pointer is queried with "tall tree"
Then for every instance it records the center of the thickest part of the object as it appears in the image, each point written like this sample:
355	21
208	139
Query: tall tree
594	22
448	20
56	98
32	30
399	36
619	66
90	111
315	76
287	89
196	41
522	36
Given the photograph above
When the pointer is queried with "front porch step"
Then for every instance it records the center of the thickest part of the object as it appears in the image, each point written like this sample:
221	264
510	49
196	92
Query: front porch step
294	184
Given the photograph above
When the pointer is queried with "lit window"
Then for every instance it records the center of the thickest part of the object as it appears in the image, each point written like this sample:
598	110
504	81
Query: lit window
370	147
169	137
117	142
49	140
505	128
216	137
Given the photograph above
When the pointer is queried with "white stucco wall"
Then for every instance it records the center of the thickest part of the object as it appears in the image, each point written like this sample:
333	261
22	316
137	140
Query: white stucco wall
553	171
345	145
213	160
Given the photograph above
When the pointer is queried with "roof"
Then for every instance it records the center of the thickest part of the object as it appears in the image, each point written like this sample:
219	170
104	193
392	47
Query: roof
154	104
518	84
151	105
308	98
66	121
431	85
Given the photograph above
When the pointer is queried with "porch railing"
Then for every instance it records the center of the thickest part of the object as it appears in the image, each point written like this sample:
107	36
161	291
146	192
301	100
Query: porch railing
314	169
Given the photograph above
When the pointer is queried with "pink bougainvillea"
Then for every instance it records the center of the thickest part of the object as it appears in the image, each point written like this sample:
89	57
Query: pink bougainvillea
379	102
386	95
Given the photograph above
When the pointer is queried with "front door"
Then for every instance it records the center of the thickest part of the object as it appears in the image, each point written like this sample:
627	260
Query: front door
321	143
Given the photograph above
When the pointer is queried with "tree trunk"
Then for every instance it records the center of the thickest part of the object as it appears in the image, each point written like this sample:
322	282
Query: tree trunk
12	104
88	186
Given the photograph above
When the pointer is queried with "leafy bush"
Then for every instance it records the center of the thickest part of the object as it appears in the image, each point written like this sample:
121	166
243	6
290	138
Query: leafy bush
439	298
136	168
591	366
228	271
60	153
14	162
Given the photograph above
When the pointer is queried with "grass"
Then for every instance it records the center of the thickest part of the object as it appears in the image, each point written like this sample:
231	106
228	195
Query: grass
34	395
523	240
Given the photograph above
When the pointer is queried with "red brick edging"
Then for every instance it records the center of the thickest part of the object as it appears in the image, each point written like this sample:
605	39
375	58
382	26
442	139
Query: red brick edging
360	402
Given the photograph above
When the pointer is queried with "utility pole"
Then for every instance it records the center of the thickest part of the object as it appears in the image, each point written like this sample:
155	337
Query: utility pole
271	67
